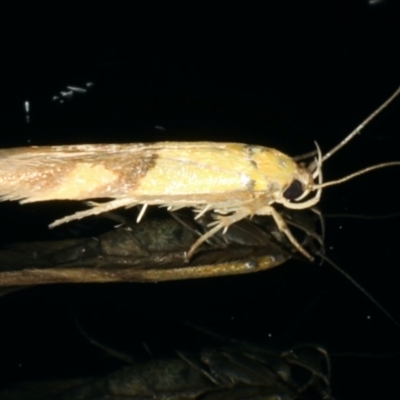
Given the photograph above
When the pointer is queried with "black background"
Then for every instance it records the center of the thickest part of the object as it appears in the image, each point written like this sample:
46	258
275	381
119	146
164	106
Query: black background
281	75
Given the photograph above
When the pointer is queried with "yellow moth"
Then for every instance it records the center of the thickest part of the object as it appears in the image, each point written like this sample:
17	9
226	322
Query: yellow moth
233	180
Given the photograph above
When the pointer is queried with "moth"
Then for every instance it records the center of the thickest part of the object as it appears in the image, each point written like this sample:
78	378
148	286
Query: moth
233	180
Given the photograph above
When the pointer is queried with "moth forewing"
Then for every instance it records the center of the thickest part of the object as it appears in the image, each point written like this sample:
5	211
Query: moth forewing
186	173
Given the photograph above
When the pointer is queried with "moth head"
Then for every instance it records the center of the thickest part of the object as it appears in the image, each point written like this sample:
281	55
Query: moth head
308	180
300	186
304	182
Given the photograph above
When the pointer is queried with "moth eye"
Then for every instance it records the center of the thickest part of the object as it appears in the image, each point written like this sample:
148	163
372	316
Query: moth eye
294	190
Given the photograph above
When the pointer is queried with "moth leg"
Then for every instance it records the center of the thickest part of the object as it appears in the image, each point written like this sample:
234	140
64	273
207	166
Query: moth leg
141	213
222	222
282	226
201	211
98	208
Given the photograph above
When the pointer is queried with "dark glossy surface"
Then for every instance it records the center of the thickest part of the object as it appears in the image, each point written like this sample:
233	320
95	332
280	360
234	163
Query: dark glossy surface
283	78
114	248
235	372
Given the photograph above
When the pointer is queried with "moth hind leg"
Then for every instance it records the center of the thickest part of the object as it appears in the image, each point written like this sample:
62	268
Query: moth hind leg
97	208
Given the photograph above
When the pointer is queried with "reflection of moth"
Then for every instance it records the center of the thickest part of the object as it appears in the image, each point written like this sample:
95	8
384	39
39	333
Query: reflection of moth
152	251
226	372
234	180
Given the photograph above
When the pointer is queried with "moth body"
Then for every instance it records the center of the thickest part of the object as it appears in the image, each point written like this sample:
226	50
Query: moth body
235	180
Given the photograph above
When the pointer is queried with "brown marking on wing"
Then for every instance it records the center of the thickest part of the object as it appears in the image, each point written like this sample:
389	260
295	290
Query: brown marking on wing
72	172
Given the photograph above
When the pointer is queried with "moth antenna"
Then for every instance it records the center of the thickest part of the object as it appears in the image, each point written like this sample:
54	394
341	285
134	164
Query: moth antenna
305	156
351	135
358	286
107	350
355	174
321	218
361	126
316	173
362	216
